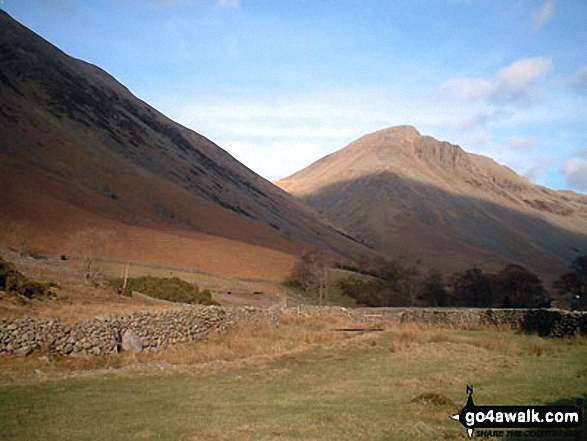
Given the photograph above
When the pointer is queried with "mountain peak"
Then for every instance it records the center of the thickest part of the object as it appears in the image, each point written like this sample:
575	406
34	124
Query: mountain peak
393	135
403	130
404	148
416	198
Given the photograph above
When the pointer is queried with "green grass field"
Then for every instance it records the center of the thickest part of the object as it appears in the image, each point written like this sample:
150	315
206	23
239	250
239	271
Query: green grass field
400	384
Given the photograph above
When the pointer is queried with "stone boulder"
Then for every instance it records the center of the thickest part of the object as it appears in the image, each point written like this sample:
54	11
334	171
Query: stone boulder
131	341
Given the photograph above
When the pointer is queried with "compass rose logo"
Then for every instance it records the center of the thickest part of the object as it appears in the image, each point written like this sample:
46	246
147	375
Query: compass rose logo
541	420
469	407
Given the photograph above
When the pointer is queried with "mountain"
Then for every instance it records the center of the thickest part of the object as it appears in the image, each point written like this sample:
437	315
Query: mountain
78	150
430	203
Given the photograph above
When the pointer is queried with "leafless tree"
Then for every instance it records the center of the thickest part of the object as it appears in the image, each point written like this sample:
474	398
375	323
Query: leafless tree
21	233
89	245
312	274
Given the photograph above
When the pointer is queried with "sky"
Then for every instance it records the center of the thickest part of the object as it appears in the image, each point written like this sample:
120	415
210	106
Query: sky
280	84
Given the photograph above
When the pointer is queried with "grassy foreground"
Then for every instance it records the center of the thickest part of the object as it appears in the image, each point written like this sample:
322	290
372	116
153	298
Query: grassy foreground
299	381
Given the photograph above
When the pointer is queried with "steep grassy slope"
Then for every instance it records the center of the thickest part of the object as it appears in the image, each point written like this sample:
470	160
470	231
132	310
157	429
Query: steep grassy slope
78	150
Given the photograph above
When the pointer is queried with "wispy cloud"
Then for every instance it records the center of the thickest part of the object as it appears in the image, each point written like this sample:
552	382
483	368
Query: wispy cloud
278	137
515	152
579	80
480	139
521	143
328	116
534	173
515	83
480	119
575	173
542	15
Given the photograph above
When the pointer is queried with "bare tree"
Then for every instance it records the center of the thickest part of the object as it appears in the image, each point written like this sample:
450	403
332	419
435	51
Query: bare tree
20	233
89	245
312	274
410	284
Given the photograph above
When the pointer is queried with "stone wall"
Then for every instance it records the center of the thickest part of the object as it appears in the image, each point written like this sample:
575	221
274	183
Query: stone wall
106	333
544	322
157	329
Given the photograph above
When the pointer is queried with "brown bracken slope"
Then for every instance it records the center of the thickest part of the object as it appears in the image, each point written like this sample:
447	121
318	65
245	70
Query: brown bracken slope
430	203
78	150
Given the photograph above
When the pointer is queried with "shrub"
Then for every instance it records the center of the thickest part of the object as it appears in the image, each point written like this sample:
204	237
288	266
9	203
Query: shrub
170	289
371	293
13	281
206	298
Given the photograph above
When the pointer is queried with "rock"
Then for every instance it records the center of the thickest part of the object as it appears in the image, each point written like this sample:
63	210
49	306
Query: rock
24	351
131	341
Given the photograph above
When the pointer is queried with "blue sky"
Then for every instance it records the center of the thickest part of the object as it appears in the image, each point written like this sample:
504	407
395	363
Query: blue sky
280	84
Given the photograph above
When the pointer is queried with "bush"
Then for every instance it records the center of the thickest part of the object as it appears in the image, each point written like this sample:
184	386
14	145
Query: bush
170	289
371	293
13	281
206	298
364	292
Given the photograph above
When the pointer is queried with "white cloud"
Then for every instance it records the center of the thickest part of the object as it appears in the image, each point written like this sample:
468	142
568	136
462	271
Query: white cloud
521	143
542	14
278	158
479	119
515	83
575	173
477	142
334	117
579	80
483	118
466	88
534	168
278	137
534	173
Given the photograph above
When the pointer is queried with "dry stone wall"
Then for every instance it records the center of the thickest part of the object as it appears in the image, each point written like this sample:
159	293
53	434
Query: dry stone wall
544	322
105	334
154	330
